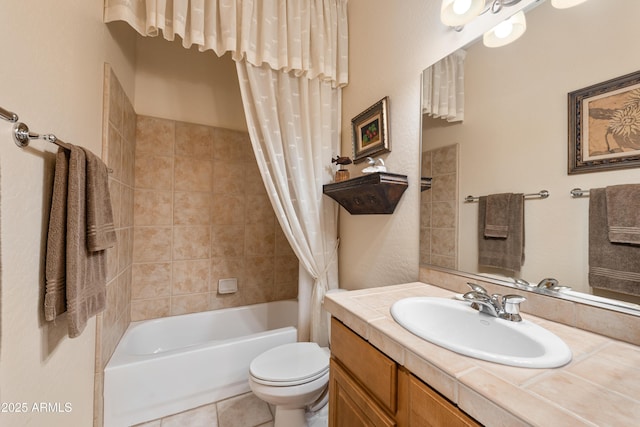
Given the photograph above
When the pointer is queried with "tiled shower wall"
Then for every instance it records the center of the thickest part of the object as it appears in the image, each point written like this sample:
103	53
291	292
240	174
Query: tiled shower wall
202	214
439	208
118	151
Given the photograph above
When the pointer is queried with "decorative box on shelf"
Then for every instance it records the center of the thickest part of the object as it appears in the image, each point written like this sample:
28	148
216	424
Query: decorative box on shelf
375	193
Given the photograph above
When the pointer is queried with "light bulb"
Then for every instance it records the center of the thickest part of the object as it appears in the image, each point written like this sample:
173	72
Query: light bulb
460	7
459	12
506	31
503	29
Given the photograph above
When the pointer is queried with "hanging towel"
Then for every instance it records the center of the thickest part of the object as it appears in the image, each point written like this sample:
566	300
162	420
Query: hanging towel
75	275
623	213
55	263
506	253
101	234
497	215
612	266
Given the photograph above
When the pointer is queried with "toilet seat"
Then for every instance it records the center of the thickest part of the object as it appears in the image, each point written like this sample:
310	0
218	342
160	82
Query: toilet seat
290	364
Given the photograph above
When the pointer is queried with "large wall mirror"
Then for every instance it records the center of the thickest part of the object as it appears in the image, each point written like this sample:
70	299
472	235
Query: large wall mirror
514	138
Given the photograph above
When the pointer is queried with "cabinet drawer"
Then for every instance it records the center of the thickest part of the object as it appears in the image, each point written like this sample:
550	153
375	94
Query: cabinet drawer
375	371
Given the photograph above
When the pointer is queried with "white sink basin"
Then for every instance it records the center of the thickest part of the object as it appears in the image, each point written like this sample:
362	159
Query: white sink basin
458	327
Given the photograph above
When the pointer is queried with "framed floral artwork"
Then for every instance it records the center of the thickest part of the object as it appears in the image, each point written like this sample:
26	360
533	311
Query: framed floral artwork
369	131
604	125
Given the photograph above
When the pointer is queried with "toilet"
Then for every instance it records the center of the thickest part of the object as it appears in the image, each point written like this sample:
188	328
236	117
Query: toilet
294	377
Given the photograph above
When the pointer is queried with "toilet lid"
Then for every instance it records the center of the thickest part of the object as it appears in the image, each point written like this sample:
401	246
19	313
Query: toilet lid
292	364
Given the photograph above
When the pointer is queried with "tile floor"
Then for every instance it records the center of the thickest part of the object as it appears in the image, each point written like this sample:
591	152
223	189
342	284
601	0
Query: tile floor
245	410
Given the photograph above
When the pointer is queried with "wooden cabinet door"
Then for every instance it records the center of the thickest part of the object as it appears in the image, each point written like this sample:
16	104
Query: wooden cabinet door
350	405
427	408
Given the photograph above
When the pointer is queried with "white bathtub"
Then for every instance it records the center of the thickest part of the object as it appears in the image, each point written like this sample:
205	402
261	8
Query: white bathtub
164	366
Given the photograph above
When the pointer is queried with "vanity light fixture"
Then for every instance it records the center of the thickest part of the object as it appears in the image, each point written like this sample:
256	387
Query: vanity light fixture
455	13
565	4
506	32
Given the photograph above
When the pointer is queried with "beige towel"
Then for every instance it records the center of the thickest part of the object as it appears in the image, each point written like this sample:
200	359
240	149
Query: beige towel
55	263
506	253
75	276
101	234
623	213
497	215
612	266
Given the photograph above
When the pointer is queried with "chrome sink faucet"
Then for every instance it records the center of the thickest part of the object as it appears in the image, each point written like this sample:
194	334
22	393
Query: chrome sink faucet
505	307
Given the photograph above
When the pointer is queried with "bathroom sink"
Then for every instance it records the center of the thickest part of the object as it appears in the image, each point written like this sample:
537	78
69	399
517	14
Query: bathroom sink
456	326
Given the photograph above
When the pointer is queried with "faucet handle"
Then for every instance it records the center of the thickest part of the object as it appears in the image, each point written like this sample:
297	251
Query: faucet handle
511	305
477	288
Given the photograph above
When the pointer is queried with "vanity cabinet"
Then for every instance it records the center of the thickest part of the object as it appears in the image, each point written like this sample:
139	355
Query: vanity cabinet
367	388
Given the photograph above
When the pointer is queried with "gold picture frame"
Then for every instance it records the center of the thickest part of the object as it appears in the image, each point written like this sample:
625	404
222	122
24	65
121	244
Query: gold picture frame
604	125
370	131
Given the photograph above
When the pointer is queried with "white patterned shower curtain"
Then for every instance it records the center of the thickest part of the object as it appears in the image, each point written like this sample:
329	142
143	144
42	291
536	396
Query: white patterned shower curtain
291	57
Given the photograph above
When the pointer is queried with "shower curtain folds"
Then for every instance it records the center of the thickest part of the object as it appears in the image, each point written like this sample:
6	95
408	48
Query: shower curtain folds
292	61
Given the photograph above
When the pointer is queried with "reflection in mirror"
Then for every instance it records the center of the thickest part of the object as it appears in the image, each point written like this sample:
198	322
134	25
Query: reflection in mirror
514	138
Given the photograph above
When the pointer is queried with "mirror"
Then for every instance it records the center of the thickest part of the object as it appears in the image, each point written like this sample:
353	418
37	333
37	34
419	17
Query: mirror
514	138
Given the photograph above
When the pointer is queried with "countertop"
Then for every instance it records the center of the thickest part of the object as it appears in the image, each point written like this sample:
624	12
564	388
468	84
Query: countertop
599	387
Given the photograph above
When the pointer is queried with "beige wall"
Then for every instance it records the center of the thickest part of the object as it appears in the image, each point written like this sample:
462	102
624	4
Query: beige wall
202	87
202	214
389	46
514	136
52	76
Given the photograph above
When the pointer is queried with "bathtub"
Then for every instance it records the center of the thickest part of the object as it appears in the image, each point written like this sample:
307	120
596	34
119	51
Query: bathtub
164	366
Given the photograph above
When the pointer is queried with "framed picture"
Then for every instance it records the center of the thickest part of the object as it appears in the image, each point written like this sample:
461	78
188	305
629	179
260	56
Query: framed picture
604	125
369	131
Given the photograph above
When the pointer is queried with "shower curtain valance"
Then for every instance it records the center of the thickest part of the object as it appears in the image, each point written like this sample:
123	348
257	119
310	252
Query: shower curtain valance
307	37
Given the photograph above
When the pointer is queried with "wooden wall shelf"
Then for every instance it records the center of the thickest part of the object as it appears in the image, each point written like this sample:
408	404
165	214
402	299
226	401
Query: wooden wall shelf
376	193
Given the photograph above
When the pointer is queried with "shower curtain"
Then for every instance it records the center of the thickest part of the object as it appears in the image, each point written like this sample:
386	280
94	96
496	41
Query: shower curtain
291	57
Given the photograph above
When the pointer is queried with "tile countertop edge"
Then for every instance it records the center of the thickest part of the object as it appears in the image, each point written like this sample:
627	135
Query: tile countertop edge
490	393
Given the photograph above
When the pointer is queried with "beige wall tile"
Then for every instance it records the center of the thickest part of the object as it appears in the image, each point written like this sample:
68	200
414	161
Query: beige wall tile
129	125
151	280
193	140
116	102
201	210
152	244
227	241
116	200
125	248
152	207
228	178
155	136
231	146
192	242
259	210
444	214
154	172
192	174
126	206
259	239
227	268
190	303
150	308
253	180
228	209
191	277
445	160
192	208
114	152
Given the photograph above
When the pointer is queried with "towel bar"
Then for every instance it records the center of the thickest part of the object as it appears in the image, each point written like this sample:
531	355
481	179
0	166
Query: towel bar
22	135
579	192
542	194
